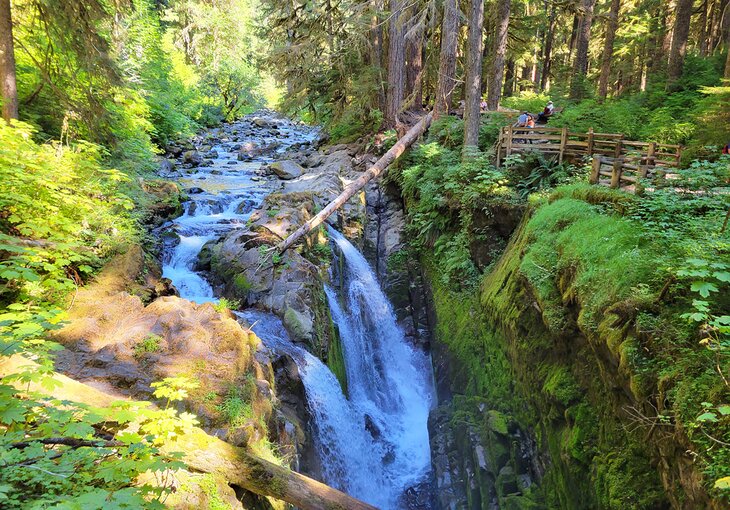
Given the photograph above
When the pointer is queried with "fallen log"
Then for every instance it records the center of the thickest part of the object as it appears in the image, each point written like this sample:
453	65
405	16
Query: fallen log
207	454
374	171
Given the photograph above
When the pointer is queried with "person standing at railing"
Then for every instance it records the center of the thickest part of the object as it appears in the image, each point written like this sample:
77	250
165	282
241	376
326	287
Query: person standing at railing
726	149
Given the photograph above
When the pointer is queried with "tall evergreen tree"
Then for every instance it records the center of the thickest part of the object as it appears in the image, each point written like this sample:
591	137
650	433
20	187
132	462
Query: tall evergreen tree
473	85
7	63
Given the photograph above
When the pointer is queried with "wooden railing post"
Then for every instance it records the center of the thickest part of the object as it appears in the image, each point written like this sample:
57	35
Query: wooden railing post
649	163
499	146
563	141
618	166
590	141
595	170
619	147
509	141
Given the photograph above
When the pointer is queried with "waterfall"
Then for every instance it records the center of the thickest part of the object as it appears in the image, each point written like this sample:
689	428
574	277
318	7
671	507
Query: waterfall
390	383
373	445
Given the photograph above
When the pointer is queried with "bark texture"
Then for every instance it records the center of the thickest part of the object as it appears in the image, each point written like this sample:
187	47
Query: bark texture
7	63
473	74
611	26
396	62
678	49
583	38
500	48
447	59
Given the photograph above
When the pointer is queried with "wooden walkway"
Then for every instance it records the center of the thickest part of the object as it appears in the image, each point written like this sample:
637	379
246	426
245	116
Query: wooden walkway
572	146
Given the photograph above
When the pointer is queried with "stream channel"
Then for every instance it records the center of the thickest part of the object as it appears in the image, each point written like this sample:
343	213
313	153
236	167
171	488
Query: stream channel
372	443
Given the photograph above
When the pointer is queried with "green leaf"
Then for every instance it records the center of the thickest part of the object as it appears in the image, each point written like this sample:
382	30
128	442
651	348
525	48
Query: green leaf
704	288
723	483
724	409
723	276
707	417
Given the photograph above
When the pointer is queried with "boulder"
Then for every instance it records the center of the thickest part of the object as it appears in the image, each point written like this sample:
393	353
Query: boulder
167	166
287	169
259	122
192	157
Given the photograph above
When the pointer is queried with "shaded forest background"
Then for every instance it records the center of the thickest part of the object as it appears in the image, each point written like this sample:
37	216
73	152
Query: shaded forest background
134	74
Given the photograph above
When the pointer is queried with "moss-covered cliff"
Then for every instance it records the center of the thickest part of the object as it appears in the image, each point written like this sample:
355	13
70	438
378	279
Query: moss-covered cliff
577	383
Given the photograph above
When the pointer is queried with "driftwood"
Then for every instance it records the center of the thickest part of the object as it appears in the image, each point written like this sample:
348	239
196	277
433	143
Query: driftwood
208	454
374	171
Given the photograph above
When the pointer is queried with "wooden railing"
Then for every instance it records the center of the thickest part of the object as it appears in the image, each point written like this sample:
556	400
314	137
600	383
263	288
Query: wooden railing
624	172
567	145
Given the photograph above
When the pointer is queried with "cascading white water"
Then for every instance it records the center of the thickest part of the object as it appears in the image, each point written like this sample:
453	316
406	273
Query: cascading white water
373	445
389	382
351	461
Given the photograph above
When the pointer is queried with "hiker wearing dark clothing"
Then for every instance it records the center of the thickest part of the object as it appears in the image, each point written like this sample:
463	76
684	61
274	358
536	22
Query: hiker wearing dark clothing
546	113
726	149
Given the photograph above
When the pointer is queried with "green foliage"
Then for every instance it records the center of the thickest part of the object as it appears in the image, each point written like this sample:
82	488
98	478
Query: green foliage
85	469
64	200
150	344
236	406
224	304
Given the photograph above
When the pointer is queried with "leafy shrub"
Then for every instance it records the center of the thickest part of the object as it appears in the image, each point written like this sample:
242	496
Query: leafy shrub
150	343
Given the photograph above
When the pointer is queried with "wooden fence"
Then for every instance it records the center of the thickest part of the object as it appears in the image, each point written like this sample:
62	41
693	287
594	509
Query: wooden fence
623	172
567	145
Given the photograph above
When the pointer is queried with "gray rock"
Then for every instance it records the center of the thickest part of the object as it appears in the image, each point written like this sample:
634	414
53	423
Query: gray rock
287	169
167	166
192	157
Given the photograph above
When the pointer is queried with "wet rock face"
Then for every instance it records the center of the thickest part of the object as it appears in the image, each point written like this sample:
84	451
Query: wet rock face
480	460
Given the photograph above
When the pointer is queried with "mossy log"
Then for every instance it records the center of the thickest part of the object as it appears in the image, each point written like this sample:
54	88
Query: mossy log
371	173
208	454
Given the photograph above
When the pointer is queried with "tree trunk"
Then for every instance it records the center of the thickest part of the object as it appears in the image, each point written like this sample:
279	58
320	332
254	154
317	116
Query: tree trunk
727	59
509	79
500	49
7	63
583	37
374	171
548	49
208	454
473	84
447	59
414	60
396	63
704	33
611	27
679	42
376	50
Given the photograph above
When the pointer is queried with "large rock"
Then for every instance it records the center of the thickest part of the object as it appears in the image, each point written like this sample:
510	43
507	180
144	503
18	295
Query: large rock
289	287
192	157
287	169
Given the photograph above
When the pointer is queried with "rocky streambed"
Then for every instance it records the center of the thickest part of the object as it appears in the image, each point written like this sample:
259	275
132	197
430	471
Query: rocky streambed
350	382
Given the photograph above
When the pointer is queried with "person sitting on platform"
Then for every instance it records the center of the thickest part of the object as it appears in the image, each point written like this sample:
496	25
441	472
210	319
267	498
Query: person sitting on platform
546	113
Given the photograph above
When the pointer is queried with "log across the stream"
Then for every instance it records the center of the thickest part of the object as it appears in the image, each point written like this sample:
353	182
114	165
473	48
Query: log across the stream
207	454
374	171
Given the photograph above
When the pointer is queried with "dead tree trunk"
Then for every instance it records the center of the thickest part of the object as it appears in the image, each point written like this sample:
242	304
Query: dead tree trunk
447	59
208	454
374	171
473	84
7	63
611	26
500	48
